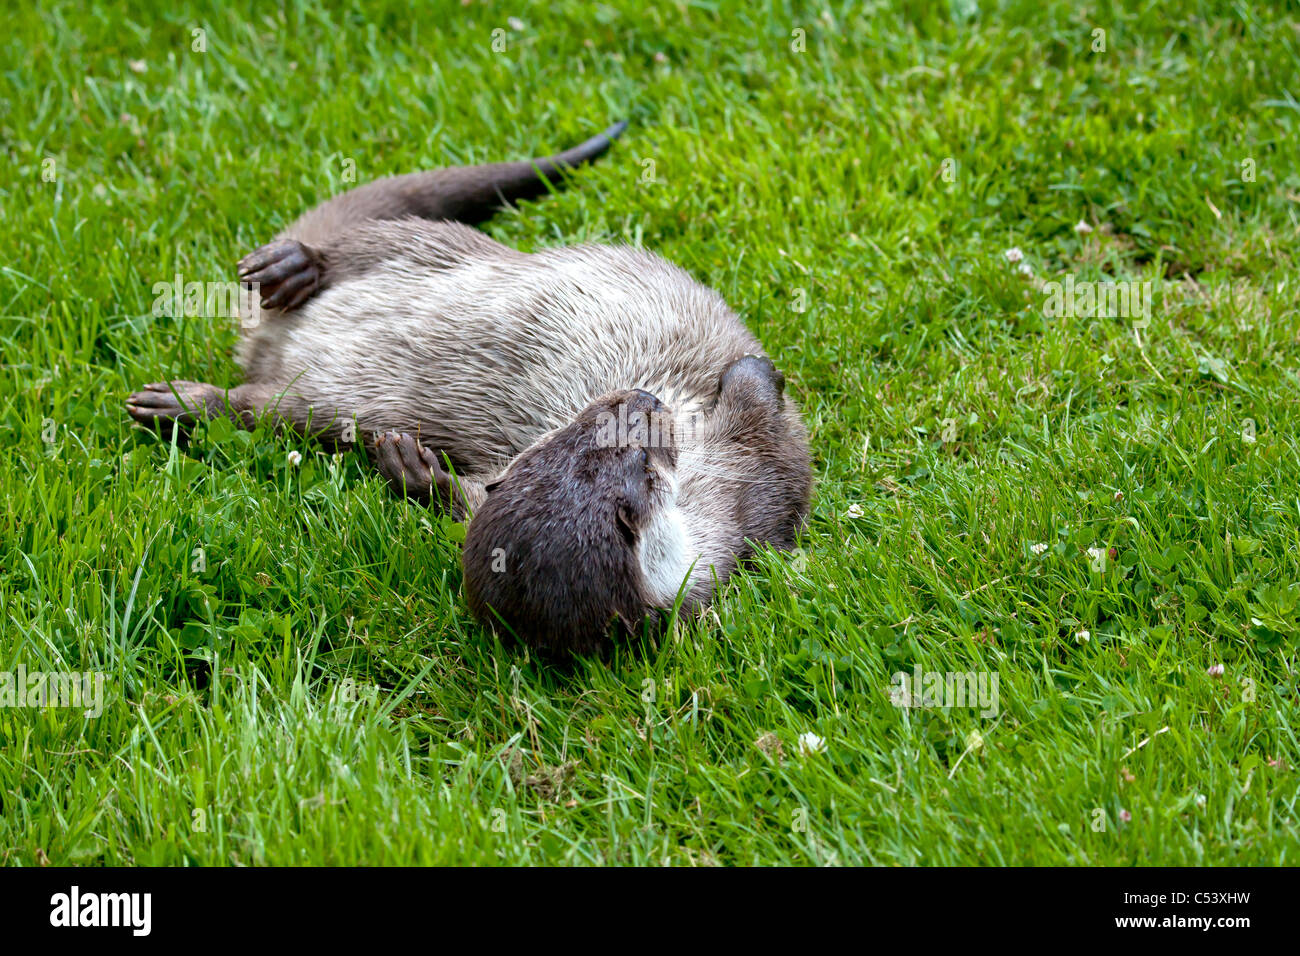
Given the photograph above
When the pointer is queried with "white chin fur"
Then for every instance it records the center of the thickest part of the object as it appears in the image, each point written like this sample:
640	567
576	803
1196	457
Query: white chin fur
666	553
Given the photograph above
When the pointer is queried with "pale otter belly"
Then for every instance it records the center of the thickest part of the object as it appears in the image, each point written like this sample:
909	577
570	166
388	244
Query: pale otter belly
487	357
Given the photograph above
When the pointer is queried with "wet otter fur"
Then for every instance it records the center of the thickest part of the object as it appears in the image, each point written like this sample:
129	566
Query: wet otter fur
613	434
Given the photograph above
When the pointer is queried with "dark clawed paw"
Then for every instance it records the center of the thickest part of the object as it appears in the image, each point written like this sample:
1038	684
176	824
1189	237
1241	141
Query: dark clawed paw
166	404
411	470
756	372
286	271
414	471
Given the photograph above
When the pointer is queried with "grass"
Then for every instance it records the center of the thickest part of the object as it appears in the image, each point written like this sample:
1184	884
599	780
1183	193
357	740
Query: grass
291	673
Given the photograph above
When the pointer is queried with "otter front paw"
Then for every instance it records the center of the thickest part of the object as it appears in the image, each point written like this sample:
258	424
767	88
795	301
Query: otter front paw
411	469
287	272
167	404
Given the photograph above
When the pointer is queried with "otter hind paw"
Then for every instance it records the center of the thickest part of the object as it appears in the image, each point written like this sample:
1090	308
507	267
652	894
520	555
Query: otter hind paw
286	272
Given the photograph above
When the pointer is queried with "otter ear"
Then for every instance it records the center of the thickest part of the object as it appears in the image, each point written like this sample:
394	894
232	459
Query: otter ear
491	486
756	375
626	519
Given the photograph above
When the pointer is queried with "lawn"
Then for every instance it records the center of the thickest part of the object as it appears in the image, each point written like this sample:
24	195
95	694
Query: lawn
1099	511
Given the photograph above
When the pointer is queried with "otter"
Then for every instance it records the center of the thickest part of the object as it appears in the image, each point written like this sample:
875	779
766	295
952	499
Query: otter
614	436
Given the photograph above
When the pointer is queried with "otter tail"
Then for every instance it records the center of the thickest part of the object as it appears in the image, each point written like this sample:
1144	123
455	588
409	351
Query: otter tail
468	194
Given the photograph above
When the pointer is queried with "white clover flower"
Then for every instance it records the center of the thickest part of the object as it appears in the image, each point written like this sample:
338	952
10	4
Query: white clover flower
1083	637
854	511
810	743
294	458
1038	548
1025	269
1014	254
1082	228
514	23
1215	670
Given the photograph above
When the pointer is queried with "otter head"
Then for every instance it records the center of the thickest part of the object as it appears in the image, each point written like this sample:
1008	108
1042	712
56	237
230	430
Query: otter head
556	553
